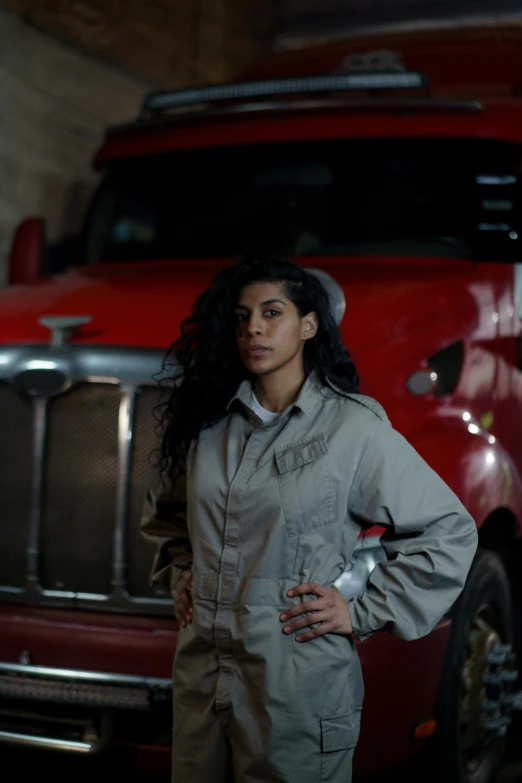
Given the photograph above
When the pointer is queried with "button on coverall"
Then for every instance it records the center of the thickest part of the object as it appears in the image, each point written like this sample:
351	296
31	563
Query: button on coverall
260	510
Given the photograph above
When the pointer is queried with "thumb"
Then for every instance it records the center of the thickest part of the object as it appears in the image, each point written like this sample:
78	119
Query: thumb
187	577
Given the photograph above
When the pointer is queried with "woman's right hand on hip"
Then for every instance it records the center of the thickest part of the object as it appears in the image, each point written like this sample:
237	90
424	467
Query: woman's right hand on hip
183	602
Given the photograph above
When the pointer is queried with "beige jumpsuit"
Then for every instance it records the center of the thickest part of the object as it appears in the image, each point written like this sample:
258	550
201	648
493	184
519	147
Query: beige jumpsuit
261	509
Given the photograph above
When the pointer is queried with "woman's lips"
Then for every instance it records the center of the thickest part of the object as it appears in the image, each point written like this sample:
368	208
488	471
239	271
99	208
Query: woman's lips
257	351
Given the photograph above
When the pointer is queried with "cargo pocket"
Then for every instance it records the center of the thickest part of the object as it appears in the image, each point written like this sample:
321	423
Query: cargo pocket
339	735
305	486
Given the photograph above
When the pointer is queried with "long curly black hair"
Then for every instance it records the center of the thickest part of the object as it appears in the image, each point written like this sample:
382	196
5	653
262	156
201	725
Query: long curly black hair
203	368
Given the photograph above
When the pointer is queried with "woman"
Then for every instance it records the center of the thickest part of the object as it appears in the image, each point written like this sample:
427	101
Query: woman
286	465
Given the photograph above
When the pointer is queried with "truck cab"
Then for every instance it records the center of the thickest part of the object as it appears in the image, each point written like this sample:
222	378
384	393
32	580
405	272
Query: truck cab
391	167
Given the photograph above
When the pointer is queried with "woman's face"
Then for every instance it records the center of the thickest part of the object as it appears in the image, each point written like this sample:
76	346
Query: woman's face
270	332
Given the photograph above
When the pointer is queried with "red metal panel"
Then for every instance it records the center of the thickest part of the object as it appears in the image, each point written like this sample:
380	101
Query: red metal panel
91	642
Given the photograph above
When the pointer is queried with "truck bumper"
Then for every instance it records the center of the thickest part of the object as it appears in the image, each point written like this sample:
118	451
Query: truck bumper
79	681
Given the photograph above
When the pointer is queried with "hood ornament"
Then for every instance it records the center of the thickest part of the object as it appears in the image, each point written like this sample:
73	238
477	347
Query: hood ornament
63	326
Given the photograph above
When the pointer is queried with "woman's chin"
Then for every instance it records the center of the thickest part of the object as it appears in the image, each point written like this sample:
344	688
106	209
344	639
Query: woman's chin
257	365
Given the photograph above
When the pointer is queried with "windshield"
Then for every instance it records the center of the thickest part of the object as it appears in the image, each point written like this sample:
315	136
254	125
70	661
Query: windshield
457	198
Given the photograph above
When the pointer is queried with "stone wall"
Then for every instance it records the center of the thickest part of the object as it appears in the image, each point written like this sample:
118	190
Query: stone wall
54	105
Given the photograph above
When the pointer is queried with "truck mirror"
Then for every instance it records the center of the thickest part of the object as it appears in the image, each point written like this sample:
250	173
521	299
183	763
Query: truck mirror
26	258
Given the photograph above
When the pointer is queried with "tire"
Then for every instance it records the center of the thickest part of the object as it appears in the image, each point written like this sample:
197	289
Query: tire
466	748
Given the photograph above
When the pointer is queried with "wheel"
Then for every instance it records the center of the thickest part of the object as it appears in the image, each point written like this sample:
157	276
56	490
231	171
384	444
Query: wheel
474	700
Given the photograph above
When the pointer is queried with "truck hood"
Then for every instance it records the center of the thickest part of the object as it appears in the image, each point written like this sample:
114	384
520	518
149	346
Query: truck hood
144	304
129	305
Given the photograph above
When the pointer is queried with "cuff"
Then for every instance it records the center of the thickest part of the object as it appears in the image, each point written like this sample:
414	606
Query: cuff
359	619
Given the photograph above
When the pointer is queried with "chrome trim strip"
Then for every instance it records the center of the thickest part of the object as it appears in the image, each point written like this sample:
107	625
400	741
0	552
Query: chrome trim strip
86	676
121	525
35	518
122	603
30	741
102	364
128	603
13	590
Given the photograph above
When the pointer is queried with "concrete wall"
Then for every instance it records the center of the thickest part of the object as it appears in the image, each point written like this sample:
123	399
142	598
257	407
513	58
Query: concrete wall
54	105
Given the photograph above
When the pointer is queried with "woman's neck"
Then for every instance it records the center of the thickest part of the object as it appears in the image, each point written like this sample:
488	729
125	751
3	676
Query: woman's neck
276	393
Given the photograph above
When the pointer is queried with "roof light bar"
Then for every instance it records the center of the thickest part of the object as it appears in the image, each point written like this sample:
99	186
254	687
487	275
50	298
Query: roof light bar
268	88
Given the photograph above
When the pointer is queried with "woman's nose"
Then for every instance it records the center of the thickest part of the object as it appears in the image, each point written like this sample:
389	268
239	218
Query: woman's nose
254	327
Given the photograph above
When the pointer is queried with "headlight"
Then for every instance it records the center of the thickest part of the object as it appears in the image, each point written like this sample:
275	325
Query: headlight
368	552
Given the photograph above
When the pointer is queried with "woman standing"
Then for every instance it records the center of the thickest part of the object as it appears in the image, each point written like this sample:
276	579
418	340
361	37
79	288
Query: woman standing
276	465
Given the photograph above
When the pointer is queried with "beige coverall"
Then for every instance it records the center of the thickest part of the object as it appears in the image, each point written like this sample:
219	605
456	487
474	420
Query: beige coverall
261	509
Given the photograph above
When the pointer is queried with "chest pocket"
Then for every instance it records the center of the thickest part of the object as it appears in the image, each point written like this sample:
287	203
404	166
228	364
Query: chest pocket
305	485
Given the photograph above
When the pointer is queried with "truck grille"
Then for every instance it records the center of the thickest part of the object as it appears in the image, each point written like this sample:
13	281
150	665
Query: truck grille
74	471
80	489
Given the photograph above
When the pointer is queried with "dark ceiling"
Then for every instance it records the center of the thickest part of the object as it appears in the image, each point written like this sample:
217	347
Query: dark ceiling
179	42
313	20
174	42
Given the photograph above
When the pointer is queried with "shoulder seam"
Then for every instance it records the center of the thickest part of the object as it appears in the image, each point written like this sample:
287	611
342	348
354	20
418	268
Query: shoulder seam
361	399
369	403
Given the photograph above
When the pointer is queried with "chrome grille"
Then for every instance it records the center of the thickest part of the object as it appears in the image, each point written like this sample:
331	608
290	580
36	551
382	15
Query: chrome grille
80	489
74	471
15	484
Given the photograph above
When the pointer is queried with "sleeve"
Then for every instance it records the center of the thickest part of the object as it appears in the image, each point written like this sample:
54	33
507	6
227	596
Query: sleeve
430	539
164	526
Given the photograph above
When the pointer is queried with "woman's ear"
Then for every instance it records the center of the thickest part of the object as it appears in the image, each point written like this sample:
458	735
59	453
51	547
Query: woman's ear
310	325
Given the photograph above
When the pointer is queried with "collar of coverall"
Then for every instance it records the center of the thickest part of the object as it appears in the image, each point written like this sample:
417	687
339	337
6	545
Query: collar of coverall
306	399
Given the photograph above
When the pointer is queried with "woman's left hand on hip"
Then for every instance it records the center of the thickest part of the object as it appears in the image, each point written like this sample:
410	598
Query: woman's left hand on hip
329	609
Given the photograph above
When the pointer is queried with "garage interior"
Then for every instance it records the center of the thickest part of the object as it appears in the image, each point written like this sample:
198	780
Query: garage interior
69	69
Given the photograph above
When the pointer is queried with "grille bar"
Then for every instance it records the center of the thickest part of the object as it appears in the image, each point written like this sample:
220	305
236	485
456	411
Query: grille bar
35	518
125	439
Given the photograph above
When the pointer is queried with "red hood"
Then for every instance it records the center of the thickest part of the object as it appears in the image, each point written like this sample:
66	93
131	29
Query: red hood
130	305
144	304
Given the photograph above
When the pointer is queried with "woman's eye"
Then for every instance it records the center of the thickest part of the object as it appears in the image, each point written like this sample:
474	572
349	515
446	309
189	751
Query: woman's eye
272	312
240	316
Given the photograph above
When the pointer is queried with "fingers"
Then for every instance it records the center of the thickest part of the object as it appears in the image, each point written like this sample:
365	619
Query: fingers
328	612
321	630
308	588
306	606
183	607
183	603
310	619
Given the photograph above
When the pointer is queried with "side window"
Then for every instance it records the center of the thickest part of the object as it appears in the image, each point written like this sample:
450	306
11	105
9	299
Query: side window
134	223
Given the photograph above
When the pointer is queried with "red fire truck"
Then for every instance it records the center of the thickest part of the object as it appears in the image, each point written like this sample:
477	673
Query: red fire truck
392	166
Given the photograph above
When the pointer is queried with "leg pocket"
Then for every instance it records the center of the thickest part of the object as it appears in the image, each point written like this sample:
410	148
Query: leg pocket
339	735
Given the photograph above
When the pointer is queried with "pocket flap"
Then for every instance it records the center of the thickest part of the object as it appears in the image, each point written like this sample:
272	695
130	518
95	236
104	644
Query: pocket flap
300	453
340	732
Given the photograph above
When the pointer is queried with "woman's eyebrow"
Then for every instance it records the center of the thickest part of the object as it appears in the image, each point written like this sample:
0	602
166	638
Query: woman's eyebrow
263	304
